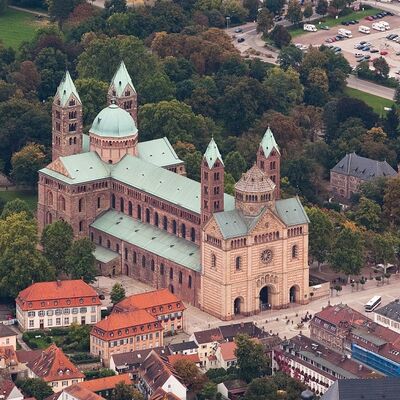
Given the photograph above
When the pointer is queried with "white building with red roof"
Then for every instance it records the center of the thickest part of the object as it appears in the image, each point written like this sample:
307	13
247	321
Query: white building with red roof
46	305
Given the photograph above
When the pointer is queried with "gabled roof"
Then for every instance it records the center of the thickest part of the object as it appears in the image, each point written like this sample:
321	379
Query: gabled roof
181	346
107	383
208	336
227	350
390	310
8	390
9	355
158	152
121	79
173	358
150	238
78	392
363	168
66	88
291	211
268	143
212	154
137	357
54	365
161	394
6	331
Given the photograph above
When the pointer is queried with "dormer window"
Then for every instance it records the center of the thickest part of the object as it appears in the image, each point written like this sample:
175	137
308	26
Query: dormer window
81	301
127	93
42	303
72	102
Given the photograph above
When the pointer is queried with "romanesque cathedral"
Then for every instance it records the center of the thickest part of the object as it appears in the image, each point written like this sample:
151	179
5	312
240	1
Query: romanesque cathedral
227	255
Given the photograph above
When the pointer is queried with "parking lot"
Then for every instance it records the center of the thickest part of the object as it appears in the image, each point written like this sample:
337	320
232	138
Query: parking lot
377	39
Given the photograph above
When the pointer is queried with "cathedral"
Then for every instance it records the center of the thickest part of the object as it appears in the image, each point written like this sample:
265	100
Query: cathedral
227	255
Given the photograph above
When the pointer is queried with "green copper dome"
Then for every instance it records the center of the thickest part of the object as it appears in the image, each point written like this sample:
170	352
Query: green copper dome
113	121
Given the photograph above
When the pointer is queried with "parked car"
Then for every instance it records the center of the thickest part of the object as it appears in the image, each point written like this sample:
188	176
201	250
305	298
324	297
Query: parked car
324	27
389	13
374	51
397	53
241	40
384	53
397	72
367	57
370	18
238	30
366	48
394	36
358	55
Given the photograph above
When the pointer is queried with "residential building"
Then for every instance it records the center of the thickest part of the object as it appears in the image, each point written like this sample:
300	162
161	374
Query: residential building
389	316
8	390
8	358
225	354
233	389
227	255
157	373
189	347
161	304
76	392
130	362
353	170
161	394
315	365
194	358
345	330
366	389
208	343
8	337
55	368
105	386
59	304
123	332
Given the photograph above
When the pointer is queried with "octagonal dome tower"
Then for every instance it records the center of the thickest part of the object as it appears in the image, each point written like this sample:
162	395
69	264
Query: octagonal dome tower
253	191
113	134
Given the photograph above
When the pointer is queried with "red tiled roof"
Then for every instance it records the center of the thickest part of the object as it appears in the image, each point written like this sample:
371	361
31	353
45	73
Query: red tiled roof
6	387
82	393
157	302
228	350
70	293
54	365
161	394
9	355
109	382
173	358
127	323
25	356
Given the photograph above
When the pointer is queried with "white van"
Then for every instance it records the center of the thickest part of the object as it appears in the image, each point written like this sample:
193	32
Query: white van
385	24
310	28
364	29
345	32
378	27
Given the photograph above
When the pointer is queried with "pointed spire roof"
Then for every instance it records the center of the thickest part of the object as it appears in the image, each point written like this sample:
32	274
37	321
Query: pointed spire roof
268	142
121	79
212	154
66	88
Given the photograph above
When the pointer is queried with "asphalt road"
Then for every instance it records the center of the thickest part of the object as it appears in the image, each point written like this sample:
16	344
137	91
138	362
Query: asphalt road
254	46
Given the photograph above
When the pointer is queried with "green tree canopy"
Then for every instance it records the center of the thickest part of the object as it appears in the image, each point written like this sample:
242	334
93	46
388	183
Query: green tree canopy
391	205
56	241
290	56
280	36
235	164
117	293
294	13
191	376
14	207
34	387
122	391
80	261
368	214
265	21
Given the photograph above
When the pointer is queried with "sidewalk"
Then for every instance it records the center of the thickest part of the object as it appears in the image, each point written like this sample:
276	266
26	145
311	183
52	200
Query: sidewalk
38	13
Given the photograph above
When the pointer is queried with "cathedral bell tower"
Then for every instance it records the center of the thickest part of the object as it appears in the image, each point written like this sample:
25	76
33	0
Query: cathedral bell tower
269	160
122	92
212	182
67	122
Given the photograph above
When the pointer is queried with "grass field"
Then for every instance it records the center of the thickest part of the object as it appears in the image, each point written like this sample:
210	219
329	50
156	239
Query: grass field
376	102
17	27
29	196
358	15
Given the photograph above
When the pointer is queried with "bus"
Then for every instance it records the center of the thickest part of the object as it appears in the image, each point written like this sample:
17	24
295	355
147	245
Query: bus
373	303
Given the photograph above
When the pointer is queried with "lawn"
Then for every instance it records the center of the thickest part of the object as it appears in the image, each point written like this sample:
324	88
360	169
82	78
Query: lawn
376	102
331	22
29	196
17	27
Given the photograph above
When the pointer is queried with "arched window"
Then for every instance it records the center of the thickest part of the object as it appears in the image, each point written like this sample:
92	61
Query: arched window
180	277
91	236
50	198
100	240
156	219
121	204
171	273
62	203
174	227
183	230
238	263
152	265
113	200
117	248
147	215
143	261
126	253
192	234
295	251
165	223
189	281
161	269
134	257
139	212
213	260
80	205
99	202
108	243
80	226
130	208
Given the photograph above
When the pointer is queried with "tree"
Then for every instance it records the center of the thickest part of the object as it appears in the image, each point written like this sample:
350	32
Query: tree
156	88
20	261
290	56
275	6
383	248
3	6
322	7
308	11
115	6
117	293
78	338
209	391
190	375
320	234
59	10
252	8
34	387
347	252
122	391
14	207
280	36
265	21
56	241
368	214
235	164
80	261
26	162
391	205
374	190
396	96
382	68
251	359
294	13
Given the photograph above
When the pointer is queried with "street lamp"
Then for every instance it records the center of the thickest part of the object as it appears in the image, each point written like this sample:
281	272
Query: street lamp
227	21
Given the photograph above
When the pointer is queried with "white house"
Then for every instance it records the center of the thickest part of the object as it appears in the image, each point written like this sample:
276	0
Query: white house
389	316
